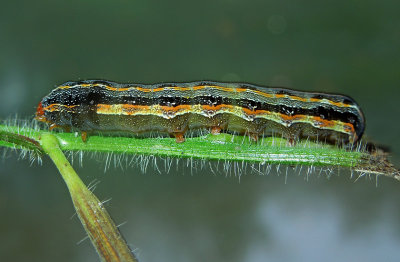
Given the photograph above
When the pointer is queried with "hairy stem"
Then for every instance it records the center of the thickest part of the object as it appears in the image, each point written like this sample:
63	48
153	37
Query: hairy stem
103	233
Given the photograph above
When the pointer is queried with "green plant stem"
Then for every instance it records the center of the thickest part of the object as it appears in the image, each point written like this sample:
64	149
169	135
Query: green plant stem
103	233
23	142
222	147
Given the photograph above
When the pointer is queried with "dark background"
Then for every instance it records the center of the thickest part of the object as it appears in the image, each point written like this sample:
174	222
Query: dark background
349	47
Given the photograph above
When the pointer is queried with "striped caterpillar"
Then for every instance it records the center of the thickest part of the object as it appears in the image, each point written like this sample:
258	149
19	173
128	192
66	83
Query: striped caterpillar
103	106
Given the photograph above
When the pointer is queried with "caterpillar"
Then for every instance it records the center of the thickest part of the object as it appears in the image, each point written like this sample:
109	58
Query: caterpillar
174	108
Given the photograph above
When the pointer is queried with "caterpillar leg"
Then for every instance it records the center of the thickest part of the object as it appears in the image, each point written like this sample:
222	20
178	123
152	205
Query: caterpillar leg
84	136
64	128
215	130
253	136
179	137
291	141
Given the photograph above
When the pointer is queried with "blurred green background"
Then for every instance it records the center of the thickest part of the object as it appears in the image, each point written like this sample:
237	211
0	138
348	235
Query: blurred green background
349	47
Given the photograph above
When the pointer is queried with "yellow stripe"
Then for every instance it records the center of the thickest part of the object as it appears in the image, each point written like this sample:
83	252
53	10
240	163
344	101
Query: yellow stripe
171	112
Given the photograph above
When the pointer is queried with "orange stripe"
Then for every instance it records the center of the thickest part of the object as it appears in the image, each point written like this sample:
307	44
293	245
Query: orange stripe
302	99
215	108
338	104
176	108
324	123
118	89
56	107
293	118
